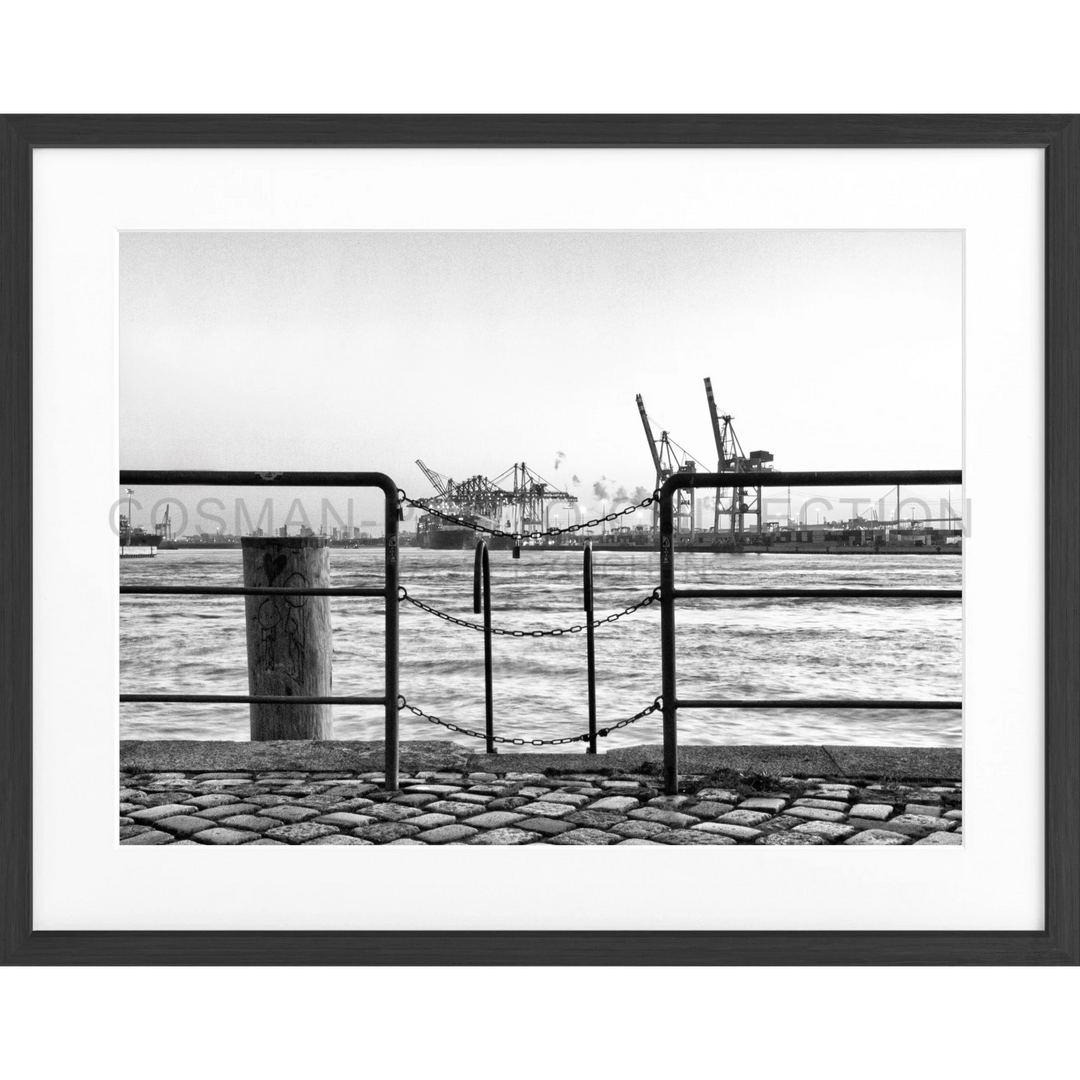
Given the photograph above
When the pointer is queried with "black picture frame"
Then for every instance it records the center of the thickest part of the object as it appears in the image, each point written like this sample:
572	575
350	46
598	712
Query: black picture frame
1059	943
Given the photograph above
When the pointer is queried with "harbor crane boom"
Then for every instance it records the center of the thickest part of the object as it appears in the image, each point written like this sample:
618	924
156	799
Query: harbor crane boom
730	458
649	436
439	482
665	462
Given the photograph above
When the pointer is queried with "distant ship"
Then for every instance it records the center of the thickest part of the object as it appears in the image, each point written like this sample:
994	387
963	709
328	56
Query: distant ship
136	544
437	534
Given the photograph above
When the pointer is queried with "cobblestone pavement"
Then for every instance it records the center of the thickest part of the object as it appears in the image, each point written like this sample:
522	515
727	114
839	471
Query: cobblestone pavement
585	808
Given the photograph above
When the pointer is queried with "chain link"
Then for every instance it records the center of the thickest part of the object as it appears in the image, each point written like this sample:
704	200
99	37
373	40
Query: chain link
656	706
518	537
652	598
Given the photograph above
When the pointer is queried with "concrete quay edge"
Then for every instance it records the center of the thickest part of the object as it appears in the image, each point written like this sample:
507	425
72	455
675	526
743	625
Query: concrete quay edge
930	763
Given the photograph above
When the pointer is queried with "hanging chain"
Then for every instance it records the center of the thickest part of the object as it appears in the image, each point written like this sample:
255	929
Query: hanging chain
656	706
652	598
516	536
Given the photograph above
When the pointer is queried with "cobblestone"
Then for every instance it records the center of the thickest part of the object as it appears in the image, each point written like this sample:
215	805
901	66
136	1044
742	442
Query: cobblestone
568	797
158	813
830	831
337	840
447	834
772	806
342	809
151	836
544	826
205	802
669	802
414	800
594	819
749	818
391	812
718	795
822	804
917	825
223	835
620	804
385	831
672	818
127	830
290	814
350	806
546	809
251	822
792	837
511	802
878	837
432	821
709	811
812	814
780	823
505	836
454	808
183	825
720	828
690	836
344	820
582	837
495	820
215	813
301	832
940	839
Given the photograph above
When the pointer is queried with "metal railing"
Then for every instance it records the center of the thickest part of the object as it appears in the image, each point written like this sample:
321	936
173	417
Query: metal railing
391	593
669	593
388	592
482	603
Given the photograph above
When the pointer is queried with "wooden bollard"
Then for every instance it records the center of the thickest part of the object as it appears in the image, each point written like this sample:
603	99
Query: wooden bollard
289	641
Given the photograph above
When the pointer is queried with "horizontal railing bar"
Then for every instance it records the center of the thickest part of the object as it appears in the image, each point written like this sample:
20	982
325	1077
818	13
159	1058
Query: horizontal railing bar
246	699
840	478
217	478
694	593
244	590
810	703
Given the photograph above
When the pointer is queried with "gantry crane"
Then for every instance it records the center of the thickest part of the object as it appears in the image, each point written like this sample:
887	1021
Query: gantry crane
530	496
164	527
732	502
525	502
666	463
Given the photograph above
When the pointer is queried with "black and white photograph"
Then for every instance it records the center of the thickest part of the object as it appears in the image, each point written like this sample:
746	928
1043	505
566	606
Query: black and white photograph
569	538
647	539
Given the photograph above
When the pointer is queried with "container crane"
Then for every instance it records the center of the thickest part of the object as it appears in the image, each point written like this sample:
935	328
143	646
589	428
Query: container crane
441	484
164	527
666	463
730	458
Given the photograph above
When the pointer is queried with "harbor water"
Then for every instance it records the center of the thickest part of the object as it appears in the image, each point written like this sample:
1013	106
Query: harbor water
738	648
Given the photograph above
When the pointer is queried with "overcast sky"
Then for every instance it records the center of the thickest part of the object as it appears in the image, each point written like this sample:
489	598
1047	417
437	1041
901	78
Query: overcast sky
473	350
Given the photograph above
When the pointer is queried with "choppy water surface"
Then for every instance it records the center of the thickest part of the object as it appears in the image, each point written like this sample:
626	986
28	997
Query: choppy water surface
729	648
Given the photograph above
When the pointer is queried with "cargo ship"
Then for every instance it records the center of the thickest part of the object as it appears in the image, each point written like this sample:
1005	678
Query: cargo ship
438	534
136	544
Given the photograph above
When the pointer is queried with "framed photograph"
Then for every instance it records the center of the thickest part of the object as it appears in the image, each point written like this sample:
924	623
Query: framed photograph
356	501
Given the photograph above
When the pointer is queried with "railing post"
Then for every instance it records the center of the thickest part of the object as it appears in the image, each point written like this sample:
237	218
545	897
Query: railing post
590	646
482	602
667	639
390	679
